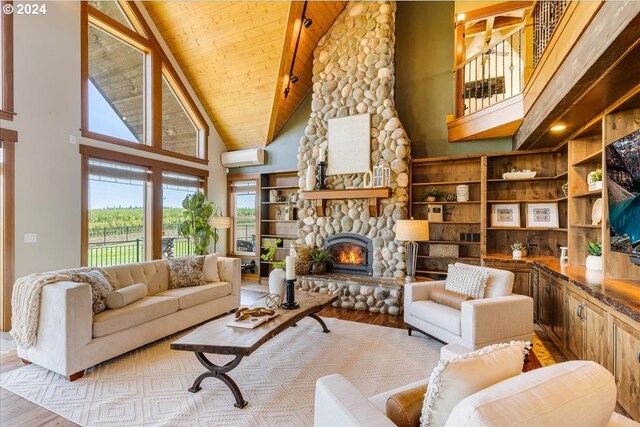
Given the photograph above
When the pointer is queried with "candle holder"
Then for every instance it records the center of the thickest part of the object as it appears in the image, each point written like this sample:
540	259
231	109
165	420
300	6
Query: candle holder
290	302
322	175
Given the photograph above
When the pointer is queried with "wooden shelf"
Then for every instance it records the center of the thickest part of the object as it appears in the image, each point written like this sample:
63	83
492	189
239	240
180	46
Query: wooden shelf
281	187
279	220
464	258
588	194
372	194
454	223
436	183
527	228
273	203
453	242
593	158
599	226
279	236
472	202
560	199
536	178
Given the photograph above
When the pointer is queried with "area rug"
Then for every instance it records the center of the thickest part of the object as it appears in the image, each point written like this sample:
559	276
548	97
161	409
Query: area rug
148	386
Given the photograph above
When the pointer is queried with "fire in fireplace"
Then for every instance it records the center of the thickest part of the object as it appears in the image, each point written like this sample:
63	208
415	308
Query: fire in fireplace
352	253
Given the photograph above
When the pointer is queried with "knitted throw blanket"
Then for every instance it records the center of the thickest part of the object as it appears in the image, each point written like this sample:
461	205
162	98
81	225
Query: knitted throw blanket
25	303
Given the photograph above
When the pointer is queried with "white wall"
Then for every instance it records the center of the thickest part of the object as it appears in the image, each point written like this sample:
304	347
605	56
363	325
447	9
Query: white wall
47	101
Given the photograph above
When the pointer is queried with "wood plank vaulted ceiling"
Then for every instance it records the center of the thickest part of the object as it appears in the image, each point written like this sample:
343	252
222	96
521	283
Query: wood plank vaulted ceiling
237	57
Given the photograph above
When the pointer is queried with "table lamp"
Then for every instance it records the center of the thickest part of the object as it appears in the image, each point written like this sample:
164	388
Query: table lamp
411	231
222	222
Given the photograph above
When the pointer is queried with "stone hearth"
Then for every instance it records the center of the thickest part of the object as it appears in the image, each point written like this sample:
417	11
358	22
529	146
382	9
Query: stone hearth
376	295
353	73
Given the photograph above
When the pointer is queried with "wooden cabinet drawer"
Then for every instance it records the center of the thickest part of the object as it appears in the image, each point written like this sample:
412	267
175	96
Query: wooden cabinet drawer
626	367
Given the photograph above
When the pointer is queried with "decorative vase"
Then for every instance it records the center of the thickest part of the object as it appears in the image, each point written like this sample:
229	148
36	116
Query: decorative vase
311	177
276	282
594	263
462	193
517	254
319	269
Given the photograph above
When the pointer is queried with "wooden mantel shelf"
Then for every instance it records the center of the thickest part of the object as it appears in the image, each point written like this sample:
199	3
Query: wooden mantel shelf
372	194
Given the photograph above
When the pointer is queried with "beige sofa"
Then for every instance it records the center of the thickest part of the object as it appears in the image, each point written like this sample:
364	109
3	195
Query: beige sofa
71	339
577	393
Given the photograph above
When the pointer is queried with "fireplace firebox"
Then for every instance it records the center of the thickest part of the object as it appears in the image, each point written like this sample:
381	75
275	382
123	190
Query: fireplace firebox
352	253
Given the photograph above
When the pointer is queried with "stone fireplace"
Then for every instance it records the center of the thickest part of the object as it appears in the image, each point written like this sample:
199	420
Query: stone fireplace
352	253
353	73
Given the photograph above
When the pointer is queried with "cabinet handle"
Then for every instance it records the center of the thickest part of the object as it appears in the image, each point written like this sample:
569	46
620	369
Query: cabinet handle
578	308
639	357
581	307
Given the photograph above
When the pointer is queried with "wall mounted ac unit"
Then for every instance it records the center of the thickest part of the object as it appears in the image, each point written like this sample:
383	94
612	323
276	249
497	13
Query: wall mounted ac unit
250	157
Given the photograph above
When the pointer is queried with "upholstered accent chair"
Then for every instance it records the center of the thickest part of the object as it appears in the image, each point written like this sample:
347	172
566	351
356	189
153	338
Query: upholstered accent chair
498	317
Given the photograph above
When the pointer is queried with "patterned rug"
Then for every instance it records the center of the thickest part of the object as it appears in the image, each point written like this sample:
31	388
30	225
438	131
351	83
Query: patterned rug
148	386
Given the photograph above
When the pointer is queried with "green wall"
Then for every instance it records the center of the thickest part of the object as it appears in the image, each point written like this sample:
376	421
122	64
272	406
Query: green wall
424	81
424	91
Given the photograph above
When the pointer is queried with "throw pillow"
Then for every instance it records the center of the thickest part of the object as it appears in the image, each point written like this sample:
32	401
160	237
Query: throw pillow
404	408
185	272
449	298
466	281
100	288
455	379
125	296
211	268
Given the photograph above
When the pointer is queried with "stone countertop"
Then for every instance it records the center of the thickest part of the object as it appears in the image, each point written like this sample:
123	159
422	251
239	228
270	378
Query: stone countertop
623	295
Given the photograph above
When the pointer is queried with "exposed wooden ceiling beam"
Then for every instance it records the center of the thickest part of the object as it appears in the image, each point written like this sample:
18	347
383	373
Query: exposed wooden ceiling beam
499	22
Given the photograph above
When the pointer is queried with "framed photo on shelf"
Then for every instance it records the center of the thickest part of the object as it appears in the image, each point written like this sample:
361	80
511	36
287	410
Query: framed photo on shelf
542	215
505	215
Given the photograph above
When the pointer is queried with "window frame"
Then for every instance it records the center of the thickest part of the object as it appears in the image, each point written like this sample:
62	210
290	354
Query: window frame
153	203
6	38
9	139
157	66
231	240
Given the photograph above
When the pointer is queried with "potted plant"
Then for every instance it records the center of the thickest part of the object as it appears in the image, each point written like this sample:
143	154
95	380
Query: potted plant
594	179
277	275
197	213
431	195
318	261
516	249
594	260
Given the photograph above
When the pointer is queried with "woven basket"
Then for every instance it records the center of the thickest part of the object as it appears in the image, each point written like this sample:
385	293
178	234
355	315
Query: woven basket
301	252
444	251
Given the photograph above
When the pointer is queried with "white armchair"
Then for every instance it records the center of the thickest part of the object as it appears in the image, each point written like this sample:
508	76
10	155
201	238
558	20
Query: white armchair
499	317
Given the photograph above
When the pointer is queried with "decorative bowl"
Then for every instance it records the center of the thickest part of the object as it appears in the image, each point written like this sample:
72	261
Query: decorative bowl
525	174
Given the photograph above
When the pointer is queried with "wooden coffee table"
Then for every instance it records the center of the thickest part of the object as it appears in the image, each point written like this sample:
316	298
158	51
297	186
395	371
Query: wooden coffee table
217	338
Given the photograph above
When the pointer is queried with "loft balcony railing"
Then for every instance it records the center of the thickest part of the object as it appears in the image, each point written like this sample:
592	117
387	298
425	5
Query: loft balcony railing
546	15
492	75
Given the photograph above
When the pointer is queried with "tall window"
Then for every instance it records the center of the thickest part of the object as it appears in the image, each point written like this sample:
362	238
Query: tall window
117	195
130	92
175	187
243	203
6	62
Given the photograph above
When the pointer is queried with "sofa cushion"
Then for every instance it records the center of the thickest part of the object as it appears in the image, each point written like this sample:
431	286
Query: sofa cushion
210	268
499	283
437	314
456	379
100	288
194	295
577	393
127	295
449	298
404	408
466	281
144	310
187	271
154	274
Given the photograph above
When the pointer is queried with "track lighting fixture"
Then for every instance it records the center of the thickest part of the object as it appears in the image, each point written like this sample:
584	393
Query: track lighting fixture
306	23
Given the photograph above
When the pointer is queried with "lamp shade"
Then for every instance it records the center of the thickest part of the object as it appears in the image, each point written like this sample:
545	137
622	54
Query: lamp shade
412	230
221	222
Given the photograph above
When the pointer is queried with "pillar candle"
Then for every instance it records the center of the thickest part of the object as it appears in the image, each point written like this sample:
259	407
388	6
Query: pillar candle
323	154
291	267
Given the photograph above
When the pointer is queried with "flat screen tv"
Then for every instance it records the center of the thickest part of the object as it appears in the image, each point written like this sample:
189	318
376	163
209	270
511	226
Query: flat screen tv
623	187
